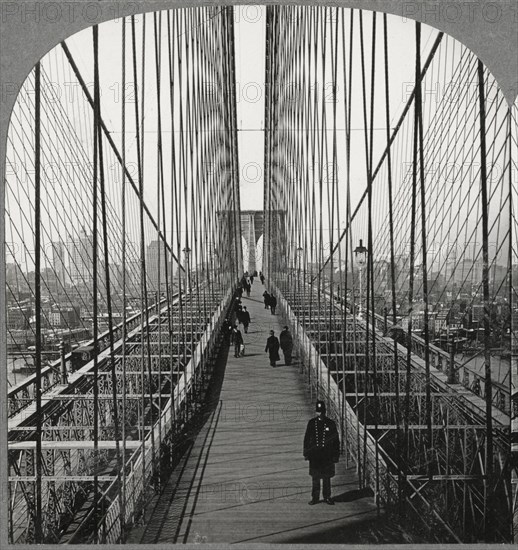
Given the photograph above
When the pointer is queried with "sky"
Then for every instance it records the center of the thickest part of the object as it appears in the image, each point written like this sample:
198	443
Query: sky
250	74
250	52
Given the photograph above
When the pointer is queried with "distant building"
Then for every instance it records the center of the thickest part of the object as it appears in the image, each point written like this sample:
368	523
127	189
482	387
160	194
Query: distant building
498	276
454	316
441	321
65	318
156	264
381	275
15	279
477	312
418	321
401	272
80	252
467	271
18	317
58	263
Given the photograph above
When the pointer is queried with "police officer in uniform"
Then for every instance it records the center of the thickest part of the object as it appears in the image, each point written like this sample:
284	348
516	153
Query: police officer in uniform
322	449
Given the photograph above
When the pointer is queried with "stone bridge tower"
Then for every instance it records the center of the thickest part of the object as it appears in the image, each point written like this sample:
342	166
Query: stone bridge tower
252	228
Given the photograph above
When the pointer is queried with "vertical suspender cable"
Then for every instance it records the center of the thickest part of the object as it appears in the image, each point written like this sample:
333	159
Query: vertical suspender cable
145	354
348	87
142	316
38	527
370	268
324	333
124	297
115	411
487	325
335	198
406	457
160	185
392	258
145	335
419	113
95	308
365	352
174	213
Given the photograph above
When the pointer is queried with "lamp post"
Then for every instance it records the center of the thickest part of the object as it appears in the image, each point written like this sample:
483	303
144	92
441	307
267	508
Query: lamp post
187	252
360	253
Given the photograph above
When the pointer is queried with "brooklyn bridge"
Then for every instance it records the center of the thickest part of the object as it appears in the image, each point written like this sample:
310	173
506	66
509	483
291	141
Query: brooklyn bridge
162	168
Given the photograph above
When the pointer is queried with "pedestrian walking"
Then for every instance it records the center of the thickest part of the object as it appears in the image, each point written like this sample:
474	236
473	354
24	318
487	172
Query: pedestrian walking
266	298
238	341
286	342
245	317
248	288
322	449
232	332
251	279
272	347
238	306
227	331
261	276
239	315
273	303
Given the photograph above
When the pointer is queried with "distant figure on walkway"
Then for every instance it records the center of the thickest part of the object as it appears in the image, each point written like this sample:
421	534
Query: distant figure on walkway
245	319
232	329
239	315
286	341
237	338
248	288
261	276
322	449
266	298
272	347
227	331
273	303
251	280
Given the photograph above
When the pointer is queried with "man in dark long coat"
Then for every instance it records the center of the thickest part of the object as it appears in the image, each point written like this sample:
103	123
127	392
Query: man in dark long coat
237	339
322	449
245	319
227	331
272	347
286	341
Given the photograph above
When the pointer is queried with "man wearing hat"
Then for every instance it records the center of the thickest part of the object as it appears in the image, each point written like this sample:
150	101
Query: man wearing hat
286	342
272	348
322	449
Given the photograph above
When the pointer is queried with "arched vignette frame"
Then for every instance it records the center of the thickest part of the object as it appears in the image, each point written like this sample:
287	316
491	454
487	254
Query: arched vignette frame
29	29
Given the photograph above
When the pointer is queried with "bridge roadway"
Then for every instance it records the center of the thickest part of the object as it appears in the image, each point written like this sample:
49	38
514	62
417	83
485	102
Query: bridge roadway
244	478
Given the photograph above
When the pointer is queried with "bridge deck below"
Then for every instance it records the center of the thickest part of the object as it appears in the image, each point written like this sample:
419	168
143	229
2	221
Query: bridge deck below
244	479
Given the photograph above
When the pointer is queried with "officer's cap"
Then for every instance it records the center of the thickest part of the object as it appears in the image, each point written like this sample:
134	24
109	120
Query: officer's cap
320	407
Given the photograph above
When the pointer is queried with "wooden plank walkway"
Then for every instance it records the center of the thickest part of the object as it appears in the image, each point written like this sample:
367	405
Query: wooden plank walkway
244	479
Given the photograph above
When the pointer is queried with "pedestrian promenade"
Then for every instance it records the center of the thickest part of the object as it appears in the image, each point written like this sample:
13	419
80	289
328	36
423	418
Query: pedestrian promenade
245	479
